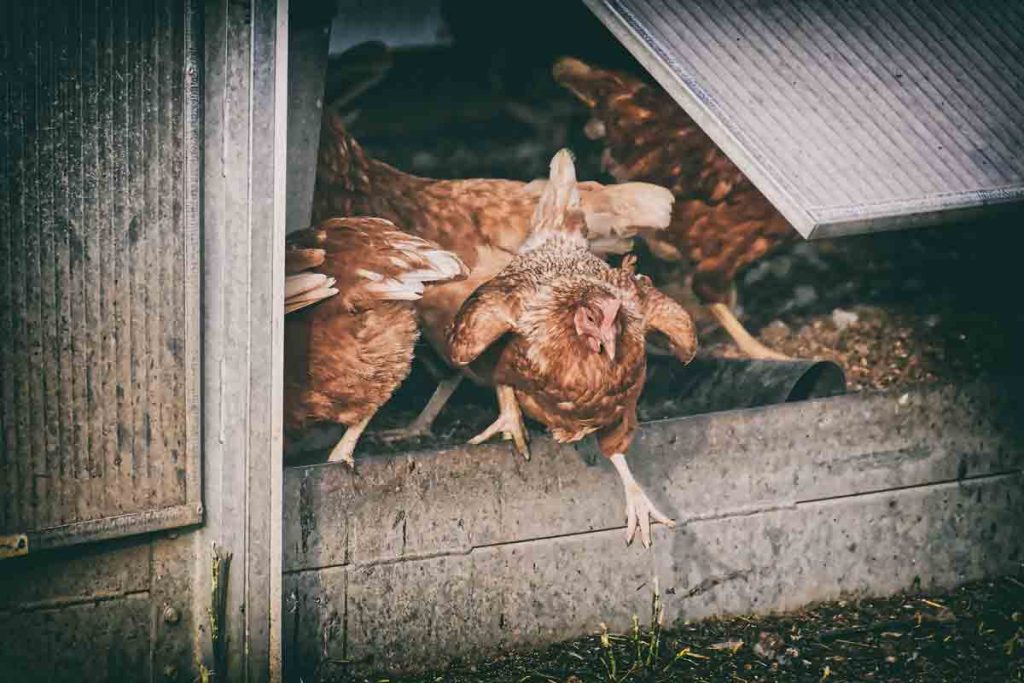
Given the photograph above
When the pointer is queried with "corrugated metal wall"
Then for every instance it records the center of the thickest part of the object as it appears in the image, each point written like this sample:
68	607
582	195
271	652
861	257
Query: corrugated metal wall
99	279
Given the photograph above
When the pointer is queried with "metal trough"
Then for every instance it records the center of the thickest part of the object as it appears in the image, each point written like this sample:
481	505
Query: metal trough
709	385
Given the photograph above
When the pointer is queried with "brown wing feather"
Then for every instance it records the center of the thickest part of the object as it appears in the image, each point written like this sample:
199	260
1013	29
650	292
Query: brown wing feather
666	316
345	357
371	260
484	318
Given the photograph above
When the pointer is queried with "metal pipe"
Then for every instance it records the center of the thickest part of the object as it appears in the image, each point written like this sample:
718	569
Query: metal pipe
714	384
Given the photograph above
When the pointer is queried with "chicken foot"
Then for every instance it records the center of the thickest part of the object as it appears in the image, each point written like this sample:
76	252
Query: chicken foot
345	448
750	346
639	509
424	422
509	422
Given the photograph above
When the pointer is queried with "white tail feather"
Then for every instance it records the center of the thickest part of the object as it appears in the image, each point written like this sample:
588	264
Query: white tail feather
604	246
559	195
614	213
397	290
614	209
308	298
445	262
304	282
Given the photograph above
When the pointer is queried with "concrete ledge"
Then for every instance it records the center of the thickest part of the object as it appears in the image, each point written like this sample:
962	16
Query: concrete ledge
425	557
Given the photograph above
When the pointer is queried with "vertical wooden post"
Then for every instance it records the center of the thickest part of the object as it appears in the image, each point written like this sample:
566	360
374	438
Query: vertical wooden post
246	77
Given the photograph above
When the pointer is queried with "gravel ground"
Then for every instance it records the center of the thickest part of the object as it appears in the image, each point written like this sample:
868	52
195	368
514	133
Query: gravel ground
975	633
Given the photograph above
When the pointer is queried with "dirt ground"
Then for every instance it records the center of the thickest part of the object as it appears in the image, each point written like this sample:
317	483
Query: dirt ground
975	633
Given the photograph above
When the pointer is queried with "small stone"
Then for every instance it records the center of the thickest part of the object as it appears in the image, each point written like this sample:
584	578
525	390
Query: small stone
768	645
781	267
843	318
594	129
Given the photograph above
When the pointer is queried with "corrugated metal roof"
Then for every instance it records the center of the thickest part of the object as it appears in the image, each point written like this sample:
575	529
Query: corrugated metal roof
850	117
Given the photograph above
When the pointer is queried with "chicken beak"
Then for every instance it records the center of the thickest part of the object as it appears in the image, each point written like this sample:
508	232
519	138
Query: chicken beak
609	330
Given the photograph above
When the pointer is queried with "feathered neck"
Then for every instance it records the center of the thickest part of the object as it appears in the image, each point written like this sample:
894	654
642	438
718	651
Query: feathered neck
558	217
551	239
341	162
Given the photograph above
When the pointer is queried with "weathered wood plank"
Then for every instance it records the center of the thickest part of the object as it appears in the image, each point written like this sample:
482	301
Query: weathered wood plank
8	441
102	640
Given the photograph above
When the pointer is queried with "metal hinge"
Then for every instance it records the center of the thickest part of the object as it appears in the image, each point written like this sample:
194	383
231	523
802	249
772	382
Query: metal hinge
13	545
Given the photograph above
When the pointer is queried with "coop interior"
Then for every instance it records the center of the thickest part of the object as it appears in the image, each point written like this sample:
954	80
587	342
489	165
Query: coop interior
864	441
866	446
437	90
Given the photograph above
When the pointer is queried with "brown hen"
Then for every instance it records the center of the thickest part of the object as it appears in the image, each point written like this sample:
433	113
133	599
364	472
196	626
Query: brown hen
567	332
345	356
483	221
720	223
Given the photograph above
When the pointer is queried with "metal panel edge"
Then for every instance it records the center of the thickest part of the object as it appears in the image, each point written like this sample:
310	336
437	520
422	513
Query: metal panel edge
895	216
115	527
237	553
652	57
275	605
193	122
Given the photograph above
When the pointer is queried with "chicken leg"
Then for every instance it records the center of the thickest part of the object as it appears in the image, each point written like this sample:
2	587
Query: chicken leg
509	422
639	509
750	346
424	422
345	448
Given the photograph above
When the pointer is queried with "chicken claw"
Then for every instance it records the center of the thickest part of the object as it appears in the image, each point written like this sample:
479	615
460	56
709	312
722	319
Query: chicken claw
745	341
345	449
423	424
509	423
639	509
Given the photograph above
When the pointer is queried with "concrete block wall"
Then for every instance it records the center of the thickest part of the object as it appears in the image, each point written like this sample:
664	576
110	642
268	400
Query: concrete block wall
415	560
